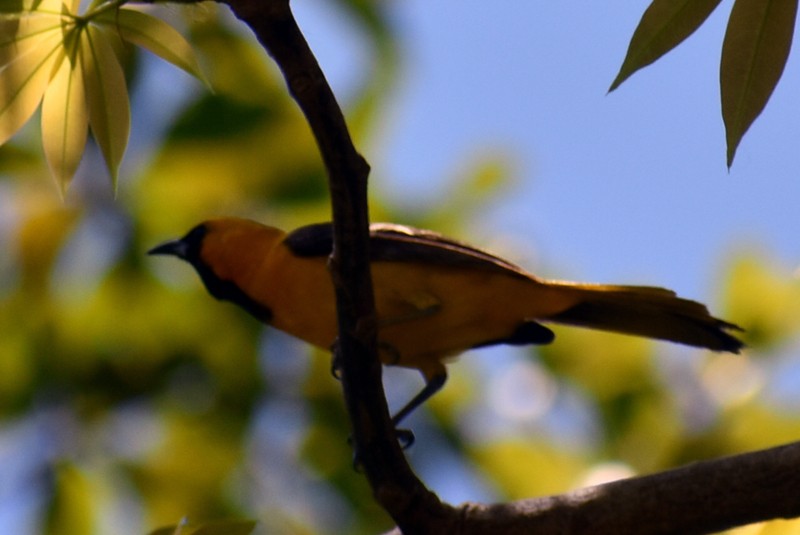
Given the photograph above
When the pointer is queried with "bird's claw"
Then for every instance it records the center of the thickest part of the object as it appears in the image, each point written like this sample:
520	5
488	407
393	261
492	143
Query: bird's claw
336	363
405	438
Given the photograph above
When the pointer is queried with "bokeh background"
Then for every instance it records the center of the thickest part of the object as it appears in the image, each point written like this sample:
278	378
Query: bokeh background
130	399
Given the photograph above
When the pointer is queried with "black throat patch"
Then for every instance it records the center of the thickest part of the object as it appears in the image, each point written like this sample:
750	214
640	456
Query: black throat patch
222	289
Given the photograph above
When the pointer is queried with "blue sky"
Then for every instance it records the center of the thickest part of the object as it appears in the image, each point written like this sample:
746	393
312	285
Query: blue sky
628	187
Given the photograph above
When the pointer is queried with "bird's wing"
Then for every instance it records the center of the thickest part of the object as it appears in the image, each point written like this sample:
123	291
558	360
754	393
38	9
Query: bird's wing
401	243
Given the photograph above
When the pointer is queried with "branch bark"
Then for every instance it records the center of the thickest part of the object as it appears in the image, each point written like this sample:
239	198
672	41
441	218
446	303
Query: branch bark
701	497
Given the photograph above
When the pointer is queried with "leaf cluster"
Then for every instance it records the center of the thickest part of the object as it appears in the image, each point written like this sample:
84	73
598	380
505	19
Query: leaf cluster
68	61
754	52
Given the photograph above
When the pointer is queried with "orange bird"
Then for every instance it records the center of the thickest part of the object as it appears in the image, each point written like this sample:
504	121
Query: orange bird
435	297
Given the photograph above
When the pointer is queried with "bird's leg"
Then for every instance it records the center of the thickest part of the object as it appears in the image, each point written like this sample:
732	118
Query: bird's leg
404	436
433	385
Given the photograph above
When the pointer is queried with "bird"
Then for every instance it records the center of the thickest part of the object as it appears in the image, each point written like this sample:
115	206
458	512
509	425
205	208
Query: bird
435	297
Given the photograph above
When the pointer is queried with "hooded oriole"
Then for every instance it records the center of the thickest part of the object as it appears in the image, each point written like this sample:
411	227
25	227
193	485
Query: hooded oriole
435	297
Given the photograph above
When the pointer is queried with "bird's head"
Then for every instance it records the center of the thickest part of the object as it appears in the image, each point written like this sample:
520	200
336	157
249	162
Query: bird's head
225	252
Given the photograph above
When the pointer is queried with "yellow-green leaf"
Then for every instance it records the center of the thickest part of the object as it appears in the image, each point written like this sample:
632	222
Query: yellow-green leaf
52	7
23	81
65	120
754	52
106	97
227	527
664	25
75	501
764	299
19	34
155	35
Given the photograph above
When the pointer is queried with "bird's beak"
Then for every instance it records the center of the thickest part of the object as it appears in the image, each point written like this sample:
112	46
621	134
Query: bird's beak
177	248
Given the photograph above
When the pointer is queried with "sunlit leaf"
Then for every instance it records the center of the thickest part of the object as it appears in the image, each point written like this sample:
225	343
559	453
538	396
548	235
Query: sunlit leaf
606	366
229	527
177	529
645	430
527	468
155	35
754	52
25	7
764	299
65	120
42	233
75	501
23	81
107	97
664	25
236	66
17	35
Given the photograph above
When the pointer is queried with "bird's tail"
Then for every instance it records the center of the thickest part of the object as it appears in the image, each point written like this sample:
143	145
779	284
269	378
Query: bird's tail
650	312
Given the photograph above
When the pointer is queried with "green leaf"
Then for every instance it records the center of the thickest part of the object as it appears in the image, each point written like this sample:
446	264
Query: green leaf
23	81
106	96
664	25
155	35
754	52
65	120
227	527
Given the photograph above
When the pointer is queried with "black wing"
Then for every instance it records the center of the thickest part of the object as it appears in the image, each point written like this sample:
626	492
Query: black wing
400	243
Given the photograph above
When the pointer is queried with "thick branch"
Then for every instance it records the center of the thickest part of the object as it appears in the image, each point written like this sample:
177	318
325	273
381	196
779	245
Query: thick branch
702	497
393	482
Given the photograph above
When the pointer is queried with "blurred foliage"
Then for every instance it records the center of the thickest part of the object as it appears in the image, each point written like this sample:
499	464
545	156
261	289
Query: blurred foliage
129	399
211	528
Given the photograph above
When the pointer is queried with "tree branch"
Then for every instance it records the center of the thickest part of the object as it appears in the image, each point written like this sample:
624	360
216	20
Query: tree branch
701	497
377	450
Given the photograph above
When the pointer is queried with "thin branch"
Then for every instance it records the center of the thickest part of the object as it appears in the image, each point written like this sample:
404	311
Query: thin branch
377	449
